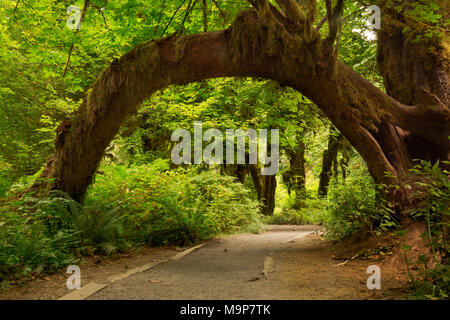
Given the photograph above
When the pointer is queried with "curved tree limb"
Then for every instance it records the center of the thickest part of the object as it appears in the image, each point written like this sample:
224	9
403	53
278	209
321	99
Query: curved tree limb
252	46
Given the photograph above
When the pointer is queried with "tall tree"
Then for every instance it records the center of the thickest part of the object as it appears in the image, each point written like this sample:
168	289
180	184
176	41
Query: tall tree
410	121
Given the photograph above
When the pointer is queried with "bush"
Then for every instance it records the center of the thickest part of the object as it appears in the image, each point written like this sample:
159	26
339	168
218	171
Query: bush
285	216
177	206
146	204
43	235
27	244
353	206
310	214
96	227
6	179
434	280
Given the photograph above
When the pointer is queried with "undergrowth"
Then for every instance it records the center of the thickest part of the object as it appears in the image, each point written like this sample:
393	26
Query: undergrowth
125	207
433	279
353	206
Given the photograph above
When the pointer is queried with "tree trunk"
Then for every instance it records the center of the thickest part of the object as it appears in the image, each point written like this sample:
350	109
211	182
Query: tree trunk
414	73
241	172
344	161
285	47
265	188
329	161
295	177
268	194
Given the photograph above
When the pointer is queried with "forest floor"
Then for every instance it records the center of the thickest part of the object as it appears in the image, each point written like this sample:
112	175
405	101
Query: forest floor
284	262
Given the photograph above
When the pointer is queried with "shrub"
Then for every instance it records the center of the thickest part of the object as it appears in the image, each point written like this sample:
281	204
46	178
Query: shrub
312	212
6	179
27	245
46	234
144	204
353	205
307	215
178	206
434	281
96	226
285	216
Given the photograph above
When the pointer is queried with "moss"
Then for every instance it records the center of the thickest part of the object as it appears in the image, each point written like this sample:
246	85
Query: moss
180	47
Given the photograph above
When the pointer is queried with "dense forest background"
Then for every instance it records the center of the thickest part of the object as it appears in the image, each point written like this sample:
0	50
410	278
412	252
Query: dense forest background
139	197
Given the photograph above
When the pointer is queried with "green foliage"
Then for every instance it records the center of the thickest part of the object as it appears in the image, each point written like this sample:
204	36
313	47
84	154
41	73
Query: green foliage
423	17
174	207
43	235
434	279
28	246
96	227
5	178
126	206
313	210
307	215
138	197
46	68
353	205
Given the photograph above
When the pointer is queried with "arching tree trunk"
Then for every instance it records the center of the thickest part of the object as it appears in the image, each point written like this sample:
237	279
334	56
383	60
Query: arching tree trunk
279	45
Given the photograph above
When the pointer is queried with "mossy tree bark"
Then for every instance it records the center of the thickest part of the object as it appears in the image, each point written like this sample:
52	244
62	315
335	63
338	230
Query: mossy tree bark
414	73
285	46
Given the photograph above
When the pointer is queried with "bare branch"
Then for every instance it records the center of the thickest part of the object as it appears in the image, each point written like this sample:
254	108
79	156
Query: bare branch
17	5
159	19
171	18
188	11
100	9
320	24
221	13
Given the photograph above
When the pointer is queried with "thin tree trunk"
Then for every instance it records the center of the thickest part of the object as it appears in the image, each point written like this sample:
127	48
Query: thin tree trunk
295	177
268	195
329	161
265	187
241	172
344	162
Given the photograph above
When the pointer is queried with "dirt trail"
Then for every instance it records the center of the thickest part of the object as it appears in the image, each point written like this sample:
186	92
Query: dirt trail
286	262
